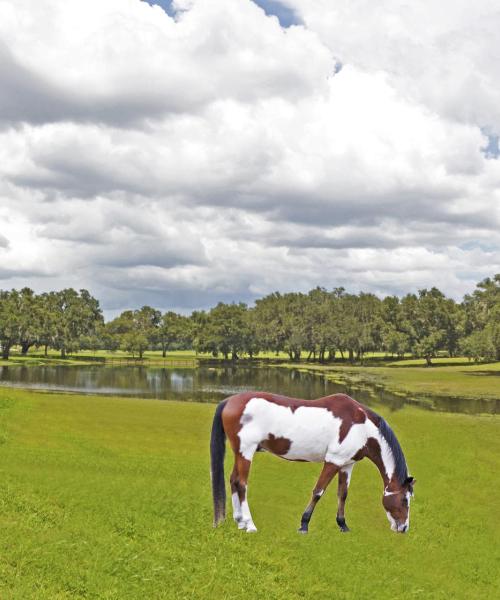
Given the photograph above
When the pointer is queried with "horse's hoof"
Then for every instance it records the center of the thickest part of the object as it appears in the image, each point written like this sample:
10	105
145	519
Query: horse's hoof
252	529
302	530
344	529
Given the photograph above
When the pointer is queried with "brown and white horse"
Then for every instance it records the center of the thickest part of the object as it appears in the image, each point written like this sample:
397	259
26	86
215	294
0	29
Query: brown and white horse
335	430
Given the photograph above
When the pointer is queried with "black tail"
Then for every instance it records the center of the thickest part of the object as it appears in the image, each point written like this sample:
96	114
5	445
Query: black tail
217	451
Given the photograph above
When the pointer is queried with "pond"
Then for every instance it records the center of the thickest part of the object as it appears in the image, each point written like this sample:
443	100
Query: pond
212	384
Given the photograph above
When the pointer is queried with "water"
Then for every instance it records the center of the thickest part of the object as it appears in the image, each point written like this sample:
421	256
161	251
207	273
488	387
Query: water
212	384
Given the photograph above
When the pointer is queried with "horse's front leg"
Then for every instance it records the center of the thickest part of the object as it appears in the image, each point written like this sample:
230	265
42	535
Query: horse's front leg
344	480
327	474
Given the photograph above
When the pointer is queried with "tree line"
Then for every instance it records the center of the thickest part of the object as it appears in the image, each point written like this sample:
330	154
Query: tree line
323	325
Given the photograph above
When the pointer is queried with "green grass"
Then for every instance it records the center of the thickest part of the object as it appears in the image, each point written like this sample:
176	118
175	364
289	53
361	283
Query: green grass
448	377
36	357
109	498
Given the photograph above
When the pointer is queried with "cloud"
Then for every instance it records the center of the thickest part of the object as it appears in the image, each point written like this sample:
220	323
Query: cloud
441	54
211	154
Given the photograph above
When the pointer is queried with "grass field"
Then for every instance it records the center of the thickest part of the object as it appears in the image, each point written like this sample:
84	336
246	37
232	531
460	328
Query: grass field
109	498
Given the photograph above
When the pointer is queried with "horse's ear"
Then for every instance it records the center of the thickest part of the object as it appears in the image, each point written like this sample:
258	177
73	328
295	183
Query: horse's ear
409	481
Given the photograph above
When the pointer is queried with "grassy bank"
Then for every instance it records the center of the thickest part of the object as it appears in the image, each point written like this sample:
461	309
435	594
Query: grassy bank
109	498
456	377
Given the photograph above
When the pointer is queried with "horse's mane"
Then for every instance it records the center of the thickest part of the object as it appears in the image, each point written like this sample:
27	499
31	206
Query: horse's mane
400	467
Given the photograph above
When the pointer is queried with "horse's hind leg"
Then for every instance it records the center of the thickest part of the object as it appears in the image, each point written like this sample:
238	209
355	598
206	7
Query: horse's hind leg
344	480
327	474
237	515
243	469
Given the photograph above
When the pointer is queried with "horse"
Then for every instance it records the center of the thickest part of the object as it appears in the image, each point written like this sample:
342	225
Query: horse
335	430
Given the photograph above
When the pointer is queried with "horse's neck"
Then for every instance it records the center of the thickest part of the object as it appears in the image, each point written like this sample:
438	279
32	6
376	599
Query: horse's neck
375	455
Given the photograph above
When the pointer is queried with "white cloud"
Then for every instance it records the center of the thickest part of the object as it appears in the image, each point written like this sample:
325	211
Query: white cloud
219	156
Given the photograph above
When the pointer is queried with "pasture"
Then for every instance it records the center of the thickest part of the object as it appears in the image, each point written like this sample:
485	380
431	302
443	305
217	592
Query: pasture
110	498
456	377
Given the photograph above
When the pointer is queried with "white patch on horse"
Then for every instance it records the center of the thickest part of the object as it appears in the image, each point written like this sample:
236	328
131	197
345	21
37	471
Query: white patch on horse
407	522
313	433
348	471
236	507
310	429
247	520
392	521
385	453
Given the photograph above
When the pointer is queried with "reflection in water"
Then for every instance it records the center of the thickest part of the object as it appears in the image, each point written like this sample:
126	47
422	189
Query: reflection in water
210	384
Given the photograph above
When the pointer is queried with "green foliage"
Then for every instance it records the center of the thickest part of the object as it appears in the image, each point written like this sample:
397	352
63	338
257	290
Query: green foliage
135	330
320	325
226	330
174	330
57	319
77	314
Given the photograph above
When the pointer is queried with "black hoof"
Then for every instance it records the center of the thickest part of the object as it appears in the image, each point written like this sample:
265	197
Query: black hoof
302	530
342	525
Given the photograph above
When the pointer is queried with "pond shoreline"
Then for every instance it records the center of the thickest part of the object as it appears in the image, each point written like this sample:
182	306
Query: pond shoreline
211	381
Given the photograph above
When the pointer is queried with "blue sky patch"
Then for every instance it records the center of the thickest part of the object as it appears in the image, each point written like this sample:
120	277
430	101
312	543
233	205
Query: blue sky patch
491	150
165	4
286	16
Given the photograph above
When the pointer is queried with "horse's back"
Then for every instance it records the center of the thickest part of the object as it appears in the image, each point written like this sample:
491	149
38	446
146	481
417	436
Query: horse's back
292	428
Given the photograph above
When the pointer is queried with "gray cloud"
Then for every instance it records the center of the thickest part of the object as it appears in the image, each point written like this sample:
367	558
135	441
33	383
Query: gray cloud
218	157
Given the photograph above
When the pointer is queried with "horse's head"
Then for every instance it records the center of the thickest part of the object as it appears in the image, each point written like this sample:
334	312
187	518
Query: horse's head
397	505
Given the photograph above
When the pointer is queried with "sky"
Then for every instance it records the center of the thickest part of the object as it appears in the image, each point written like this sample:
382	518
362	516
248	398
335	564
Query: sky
180	153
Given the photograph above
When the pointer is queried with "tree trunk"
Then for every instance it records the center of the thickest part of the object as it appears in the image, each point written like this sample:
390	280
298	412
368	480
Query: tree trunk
25	346
63	352
351	355
5	352
428	361
163	350
46	351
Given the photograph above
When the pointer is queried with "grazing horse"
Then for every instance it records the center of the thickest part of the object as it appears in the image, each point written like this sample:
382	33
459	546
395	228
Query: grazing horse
335	430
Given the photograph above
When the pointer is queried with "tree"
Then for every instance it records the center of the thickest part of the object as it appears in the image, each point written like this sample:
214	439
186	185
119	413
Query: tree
137	330
428	322
173	329
30	319
226	330
73	315
482	317
10	320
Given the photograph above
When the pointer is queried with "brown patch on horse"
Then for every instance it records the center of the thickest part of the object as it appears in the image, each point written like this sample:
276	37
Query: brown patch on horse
292	403
348	410
371	449
276	445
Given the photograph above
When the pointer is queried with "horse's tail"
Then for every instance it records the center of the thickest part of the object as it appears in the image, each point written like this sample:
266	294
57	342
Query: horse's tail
217	451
